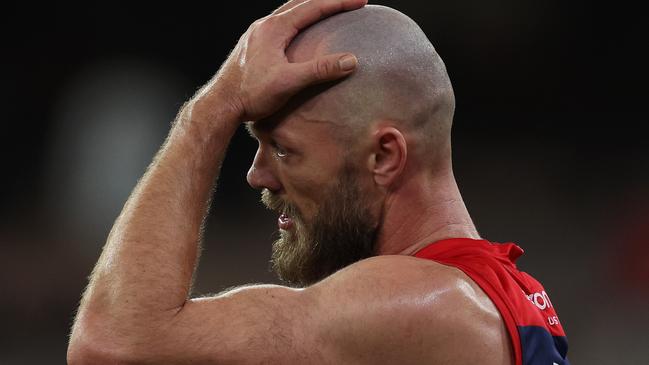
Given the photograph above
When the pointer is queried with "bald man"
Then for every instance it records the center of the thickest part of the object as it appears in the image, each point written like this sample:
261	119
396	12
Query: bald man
352	108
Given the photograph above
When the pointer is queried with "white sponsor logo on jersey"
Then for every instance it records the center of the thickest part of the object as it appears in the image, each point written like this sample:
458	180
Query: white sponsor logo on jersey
539	299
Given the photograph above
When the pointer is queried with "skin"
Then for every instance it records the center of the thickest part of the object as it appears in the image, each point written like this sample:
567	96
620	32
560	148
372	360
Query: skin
391	308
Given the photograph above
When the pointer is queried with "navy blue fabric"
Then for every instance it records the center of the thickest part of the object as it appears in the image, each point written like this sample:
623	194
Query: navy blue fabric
541	348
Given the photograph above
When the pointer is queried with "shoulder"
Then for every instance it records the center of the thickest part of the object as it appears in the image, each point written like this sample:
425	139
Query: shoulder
404	306
391	276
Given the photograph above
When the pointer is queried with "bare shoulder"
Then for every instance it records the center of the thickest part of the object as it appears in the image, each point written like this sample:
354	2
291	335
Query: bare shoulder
403	309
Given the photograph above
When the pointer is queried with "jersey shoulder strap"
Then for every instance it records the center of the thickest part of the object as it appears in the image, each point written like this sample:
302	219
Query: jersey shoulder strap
534	328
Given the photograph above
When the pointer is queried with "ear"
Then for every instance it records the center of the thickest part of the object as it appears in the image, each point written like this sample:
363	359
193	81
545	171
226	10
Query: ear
388	159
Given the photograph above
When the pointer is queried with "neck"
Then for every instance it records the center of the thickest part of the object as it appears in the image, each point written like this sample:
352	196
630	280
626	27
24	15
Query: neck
424	210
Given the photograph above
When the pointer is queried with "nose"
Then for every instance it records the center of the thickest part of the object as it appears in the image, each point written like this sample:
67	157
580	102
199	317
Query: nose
260	175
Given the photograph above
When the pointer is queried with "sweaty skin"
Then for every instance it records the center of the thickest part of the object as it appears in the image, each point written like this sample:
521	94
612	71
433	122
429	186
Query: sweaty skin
388	309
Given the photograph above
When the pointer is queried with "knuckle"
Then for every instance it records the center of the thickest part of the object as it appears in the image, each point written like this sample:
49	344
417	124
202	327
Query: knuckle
269	21
259	24
259	21
258	28
322	69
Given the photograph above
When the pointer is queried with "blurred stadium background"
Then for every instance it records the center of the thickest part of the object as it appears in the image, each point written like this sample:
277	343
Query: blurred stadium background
549	152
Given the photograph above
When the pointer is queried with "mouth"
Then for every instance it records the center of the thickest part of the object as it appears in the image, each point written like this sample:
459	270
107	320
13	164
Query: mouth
284	222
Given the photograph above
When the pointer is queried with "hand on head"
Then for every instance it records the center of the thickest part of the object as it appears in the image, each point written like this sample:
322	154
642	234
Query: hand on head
257	78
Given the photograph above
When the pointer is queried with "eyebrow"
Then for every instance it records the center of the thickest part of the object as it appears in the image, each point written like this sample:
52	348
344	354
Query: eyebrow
254	127
250	127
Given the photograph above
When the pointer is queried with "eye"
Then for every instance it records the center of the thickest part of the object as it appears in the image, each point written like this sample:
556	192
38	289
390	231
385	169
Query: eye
279	150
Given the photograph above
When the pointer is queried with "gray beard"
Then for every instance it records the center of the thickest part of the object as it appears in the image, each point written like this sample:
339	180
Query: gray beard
343	231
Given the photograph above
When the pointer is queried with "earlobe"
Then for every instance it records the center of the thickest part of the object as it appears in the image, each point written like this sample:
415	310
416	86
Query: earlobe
390	155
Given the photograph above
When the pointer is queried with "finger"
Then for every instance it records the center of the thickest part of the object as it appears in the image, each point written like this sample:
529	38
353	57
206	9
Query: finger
288	5
325	68
309	12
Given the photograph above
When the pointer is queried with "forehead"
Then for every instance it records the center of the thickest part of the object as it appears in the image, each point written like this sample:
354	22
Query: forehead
312	113
294	127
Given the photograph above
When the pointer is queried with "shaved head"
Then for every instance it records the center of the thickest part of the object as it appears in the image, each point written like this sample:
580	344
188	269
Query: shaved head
400	79
400	88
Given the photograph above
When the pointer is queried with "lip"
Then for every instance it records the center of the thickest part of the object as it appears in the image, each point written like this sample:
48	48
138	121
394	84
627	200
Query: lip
284	222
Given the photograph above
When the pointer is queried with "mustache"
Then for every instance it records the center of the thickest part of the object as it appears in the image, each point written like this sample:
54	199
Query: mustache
277	204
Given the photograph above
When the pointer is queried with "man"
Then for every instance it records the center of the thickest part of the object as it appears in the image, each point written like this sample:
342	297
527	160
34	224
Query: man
382	261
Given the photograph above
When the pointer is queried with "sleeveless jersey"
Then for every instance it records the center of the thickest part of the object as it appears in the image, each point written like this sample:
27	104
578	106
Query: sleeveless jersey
530	318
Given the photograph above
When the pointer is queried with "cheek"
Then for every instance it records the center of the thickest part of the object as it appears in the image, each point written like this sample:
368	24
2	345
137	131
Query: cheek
307	187
307	195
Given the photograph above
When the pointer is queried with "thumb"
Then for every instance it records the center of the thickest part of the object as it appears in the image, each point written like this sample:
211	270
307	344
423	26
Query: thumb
326	68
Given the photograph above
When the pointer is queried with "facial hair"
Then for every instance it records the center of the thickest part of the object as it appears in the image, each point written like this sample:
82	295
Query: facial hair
343	231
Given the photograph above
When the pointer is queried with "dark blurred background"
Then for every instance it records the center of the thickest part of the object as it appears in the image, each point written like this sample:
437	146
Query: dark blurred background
549	151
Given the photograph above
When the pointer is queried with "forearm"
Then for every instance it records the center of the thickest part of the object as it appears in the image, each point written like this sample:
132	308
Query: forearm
147	264
138	290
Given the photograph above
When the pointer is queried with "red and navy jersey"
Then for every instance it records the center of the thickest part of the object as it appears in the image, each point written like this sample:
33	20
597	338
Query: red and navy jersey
531	320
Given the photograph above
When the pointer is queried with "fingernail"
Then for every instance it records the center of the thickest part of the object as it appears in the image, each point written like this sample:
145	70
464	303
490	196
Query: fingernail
347	63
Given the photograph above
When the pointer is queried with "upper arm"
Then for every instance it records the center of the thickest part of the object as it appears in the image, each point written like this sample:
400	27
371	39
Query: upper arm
251	324
380	310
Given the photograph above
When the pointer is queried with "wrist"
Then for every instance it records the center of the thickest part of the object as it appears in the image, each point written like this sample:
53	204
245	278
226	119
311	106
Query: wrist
213	107
211	110
205	126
